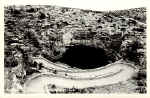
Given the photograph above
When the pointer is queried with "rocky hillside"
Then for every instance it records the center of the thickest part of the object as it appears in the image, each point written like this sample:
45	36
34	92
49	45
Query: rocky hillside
40	30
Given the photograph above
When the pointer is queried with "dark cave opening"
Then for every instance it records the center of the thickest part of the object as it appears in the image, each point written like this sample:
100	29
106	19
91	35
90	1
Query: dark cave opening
84	57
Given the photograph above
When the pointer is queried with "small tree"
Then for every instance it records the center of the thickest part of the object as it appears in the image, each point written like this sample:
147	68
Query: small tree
129	50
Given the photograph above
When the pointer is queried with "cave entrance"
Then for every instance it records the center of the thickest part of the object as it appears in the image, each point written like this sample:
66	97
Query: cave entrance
84	57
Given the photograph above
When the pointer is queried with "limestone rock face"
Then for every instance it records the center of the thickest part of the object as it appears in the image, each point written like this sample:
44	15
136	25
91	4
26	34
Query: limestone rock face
79	38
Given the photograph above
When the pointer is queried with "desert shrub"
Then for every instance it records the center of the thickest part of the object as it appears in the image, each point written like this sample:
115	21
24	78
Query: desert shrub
132	50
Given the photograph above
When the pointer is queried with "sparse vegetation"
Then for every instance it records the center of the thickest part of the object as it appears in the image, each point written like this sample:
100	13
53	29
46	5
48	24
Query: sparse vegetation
32	31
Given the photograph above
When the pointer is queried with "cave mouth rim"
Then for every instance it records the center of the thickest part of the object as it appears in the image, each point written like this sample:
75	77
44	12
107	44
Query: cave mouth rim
85	46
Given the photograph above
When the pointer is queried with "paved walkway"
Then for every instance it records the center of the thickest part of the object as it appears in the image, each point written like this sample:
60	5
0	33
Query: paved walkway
111	74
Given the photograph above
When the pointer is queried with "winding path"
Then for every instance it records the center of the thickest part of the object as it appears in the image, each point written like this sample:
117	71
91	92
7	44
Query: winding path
109	74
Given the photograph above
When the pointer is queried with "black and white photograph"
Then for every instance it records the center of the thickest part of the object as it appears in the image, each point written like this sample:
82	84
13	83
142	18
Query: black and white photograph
52	49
